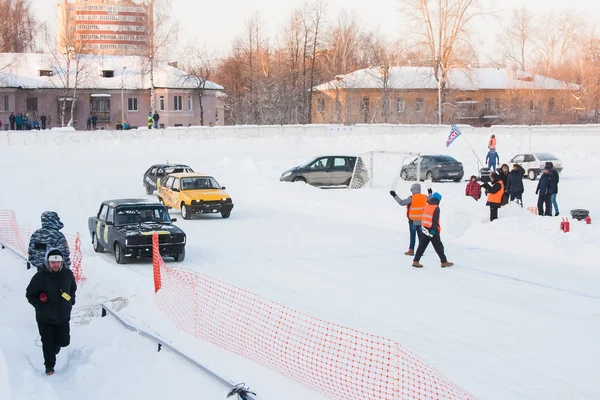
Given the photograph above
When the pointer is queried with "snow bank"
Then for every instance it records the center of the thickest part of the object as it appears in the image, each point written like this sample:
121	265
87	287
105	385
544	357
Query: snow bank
5	391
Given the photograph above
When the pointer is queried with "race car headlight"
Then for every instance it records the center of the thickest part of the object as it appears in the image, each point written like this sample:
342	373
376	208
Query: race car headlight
224	199
286	174
184	237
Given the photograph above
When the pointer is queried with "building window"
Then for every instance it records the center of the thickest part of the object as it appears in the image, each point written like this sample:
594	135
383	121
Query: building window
108	73
551	104
132	104
45	72
488	105
32	104
161	103
5	102
178	103
190	104
420	105
399	105
321	106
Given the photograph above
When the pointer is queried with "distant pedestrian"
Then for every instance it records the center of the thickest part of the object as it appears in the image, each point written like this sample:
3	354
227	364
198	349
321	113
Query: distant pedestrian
88	122
544	192
492	142
514	185
494	192
414	212
473	188
48	236
156	117
94	121
36	125
492	159
52	293
12	120
431	232
554	187
43	120
19	121
150	120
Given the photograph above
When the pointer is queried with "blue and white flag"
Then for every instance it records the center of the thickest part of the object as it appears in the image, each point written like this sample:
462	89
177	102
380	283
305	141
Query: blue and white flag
454	133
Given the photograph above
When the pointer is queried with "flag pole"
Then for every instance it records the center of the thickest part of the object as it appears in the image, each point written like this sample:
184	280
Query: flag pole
475	154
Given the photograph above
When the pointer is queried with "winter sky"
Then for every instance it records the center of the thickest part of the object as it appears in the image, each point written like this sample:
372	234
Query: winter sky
218	23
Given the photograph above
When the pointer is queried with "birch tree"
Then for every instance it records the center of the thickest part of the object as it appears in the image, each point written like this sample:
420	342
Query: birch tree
18	26
199	64
517	39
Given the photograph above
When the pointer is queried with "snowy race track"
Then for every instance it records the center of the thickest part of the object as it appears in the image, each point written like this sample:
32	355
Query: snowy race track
516	318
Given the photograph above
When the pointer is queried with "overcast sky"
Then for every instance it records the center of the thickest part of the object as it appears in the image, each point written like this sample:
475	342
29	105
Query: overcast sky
218	23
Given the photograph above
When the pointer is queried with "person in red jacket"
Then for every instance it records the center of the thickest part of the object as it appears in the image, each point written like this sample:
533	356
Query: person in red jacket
473	189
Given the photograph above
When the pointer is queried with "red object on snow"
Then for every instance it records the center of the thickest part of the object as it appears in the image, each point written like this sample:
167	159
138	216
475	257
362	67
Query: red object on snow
562	224
43	298
588	220
567	225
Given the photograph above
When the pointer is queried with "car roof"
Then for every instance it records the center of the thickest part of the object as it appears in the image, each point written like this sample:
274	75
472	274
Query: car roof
332	155
189	175
169	165
436	155
131	202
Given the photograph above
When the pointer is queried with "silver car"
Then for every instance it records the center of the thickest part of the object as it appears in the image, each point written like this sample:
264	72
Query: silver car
322	171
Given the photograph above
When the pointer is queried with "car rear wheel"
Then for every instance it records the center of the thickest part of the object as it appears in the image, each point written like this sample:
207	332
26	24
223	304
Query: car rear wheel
97	247
149	190
185	212
299	179
119	255
181	256
532	175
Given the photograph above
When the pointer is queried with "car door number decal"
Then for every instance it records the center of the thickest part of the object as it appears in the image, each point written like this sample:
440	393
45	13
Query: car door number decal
106	234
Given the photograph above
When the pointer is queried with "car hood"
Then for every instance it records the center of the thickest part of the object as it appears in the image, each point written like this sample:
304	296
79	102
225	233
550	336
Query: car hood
206	194
291	170
149	229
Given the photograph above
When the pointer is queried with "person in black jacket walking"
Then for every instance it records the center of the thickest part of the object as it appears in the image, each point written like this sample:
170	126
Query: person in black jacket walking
514	184
544	192
52	293
503	176
12	120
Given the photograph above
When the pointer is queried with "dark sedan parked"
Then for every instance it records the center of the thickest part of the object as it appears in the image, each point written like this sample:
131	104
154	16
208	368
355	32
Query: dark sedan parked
434	168
322	171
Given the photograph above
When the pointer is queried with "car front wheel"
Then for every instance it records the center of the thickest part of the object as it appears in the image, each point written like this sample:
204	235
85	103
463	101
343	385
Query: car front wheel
299	179
119	255
225	214
185	212
97	246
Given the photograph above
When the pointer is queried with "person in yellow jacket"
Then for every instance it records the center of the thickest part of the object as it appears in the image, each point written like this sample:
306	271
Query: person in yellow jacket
414	212
494	192
431	228
150	120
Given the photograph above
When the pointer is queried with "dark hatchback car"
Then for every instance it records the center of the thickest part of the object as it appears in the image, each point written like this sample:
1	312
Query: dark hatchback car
434	168
126	226
322	171
160	171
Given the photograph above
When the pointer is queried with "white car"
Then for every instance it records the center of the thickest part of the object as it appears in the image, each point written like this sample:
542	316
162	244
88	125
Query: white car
534	163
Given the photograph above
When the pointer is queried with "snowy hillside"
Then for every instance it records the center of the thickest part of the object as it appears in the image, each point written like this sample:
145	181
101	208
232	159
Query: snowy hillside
515	318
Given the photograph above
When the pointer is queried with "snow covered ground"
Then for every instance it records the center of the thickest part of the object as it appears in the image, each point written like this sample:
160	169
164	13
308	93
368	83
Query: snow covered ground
517	317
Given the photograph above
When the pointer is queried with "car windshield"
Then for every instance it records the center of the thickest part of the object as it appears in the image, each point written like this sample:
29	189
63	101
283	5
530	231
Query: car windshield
137	215
308	164
199	183
444	159
545	156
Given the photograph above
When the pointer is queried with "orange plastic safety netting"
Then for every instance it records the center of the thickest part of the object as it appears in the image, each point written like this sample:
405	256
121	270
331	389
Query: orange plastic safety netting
17	237
337	361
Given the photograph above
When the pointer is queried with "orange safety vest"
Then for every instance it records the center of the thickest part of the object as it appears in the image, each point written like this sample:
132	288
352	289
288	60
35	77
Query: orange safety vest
428	216
414	211
496	197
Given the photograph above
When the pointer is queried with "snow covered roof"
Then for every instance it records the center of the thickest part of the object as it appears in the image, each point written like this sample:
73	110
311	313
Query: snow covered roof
458	79
23	70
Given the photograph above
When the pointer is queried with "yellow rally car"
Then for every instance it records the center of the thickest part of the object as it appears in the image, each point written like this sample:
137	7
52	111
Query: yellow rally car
194	193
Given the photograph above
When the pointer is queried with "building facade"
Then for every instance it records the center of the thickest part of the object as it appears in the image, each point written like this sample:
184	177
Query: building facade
115	89
106	27
477	96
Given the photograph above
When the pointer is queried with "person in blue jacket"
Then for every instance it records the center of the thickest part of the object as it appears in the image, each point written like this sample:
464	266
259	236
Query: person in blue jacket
544	192
492	159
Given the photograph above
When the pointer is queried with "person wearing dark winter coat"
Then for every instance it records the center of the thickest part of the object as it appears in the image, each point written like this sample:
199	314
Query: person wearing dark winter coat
495	193
52	293
431	232
19	121
492	159
155	118
514	185
12	120
414	212
503	175
554	188
48	236
473	189
544	192
43	120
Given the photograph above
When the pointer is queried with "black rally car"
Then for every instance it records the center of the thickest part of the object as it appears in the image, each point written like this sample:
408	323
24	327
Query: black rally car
125	227
160	171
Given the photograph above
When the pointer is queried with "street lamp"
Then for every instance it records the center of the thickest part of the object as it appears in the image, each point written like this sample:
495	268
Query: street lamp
122	97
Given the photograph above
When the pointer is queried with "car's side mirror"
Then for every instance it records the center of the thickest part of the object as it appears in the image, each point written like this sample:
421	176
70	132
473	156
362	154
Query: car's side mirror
173	219
223	188
175	190
110	223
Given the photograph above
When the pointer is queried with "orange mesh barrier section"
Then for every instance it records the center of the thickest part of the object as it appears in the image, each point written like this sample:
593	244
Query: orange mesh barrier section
337	361
17	237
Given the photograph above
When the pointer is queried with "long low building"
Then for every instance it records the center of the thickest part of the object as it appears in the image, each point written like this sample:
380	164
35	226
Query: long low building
36	84
475	96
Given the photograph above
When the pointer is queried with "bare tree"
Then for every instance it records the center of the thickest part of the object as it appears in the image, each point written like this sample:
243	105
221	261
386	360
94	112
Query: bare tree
18	26
199	64
162	32
317	12
554	39
517	38
442	27
343	43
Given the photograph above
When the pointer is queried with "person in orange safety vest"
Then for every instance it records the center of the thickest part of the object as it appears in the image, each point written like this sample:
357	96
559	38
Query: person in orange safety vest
494	192
492	142
414	212
431	232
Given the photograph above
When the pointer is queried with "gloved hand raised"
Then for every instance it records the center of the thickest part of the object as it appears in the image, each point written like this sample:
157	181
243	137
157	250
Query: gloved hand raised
429	191
392	193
